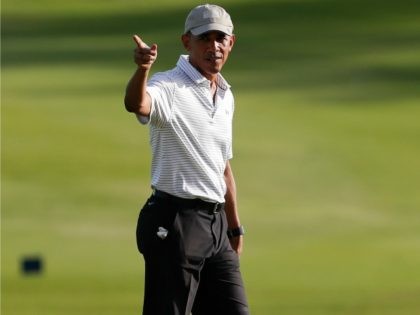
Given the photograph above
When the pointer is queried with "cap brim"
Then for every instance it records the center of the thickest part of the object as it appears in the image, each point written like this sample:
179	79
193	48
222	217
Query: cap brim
212	27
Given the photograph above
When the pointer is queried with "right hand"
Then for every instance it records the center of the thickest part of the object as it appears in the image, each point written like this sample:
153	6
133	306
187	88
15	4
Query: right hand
144	56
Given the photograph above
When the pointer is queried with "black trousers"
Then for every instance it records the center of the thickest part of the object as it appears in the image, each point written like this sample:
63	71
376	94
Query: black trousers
190	266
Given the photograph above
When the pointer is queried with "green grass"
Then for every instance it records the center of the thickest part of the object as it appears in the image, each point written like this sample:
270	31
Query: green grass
326	153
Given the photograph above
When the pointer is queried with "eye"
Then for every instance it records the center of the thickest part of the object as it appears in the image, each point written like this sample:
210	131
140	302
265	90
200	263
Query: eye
221	38
204	37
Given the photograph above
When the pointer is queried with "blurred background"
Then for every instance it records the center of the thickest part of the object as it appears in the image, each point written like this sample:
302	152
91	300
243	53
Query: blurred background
326	153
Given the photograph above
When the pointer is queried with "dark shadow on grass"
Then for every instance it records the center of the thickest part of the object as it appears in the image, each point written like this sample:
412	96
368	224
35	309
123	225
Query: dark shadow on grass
280	45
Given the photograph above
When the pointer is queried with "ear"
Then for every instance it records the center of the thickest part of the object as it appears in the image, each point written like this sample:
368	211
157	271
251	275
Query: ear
185	38
232	41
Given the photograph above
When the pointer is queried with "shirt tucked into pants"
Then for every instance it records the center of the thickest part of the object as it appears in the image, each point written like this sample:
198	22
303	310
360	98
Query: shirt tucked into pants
190	266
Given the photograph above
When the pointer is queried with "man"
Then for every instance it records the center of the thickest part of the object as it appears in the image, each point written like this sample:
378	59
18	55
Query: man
189	230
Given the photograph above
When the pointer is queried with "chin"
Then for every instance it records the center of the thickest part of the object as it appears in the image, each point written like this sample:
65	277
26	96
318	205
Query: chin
214	69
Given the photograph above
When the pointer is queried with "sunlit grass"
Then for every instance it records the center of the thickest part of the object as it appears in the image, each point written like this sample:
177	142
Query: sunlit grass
325	154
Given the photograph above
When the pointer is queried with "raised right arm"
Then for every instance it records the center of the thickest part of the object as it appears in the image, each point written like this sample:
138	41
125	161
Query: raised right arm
137	100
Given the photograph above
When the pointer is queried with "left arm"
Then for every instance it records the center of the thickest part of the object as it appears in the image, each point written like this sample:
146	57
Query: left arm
231	208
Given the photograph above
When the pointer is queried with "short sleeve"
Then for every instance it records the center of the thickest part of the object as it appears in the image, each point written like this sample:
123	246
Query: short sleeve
160	89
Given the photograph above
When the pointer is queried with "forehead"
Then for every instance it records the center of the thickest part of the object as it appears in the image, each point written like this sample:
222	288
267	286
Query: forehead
213	33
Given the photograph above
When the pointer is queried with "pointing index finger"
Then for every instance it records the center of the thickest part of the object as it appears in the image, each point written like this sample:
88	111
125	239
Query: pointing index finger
139	42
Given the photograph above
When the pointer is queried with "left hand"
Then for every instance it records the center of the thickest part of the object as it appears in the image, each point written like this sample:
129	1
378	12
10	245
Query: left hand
237	243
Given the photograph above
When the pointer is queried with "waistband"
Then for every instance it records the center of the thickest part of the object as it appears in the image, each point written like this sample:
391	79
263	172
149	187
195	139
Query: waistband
197	204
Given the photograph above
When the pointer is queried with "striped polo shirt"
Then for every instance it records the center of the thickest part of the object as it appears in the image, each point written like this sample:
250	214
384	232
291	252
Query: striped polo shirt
190	134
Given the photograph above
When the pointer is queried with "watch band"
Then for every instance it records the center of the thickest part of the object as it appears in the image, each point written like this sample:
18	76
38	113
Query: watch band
236	232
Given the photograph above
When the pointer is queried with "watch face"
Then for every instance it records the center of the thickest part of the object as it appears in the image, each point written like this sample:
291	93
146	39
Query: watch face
236	232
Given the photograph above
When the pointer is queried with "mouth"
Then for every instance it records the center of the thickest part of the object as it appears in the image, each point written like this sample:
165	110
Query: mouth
213	58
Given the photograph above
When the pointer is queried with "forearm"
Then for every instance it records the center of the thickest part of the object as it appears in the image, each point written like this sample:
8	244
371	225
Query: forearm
136	98
231	207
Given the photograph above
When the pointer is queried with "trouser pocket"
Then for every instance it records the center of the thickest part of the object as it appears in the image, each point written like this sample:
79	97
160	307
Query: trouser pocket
153	226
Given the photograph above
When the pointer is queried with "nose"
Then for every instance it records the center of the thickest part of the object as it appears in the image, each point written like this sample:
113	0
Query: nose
213	45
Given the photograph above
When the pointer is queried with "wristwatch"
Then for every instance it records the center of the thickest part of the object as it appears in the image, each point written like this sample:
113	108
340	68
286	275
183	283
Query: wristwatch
236	232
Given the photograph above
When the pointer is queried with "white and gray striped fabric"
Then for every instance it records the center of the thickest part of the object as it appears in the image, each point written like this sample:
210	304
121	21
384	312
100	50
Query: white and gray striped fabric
190	134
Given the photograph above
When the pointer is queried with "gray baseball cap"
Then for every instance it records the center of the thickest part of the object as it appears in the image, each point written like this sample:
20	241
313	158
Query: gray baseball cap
208	17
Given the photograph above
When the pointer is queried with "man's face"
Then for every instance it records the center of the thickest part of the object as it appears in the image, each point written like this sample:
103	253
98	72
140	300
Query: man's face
209	51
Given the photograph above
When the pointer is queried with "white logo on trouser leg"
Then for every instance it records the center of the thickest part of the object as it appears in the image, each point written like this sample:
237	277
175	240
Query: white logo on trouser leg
162	232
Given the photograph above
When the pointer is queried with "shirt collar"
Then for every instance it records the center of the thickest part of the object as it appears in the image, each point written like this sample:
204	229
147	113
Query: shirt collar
184	64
